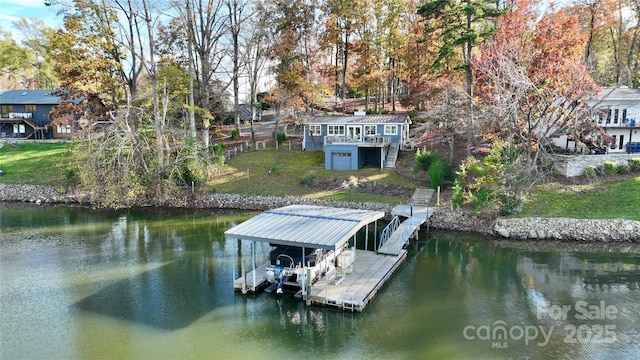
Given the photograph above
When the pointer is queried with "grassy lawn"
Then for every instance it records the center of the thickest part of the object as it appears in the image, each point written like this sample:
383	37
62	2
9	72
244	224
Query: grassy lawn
33	163
617	199
281	172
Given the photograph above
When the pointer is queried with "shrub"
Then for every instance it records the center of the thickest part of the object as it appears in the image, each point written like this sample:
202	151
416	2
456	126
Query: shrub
309	178
610	167
634	164
424	159
459	184
280	138
235	133
590	172
480	199
70	175
437	173
624	168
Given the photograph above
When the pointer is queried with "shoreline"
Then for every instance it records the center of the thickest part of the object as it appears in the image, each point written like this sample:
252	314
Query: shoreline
553	229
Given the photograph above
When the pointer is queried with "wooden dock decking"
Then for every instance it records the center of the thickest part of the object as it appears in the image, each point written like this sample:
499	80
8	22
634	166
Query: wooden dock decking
353	291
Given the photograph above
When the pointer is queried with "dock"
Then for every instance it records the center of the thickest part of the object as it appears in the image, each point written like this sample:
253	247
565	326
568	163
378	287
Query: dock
348	287
353	291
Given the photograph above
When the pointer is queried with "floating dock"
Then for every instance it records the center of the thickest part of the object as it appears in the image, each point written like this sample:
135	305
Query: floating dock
348	288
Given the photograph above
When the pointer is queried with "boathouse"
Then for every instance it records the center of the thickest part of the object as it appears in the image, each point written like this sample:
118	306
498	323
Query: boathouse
353	277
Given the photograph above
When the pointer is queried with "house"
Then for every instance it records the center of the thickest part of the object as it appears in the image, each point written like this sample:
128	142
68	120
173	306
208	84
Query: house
619	118
351	142
24	114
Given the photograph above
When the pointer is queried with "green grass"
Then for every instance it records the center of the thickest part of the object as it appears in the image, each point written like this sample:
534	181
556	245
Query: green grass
617	199
281	173
33	163
249	173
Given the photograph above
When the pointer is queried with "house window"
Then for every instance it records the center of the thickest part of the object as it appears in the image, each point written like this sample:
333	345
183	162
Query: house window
624	116
5	110
29	108
18	129
609	116
315	129
335	130
370	129
391	129
63	129
615	116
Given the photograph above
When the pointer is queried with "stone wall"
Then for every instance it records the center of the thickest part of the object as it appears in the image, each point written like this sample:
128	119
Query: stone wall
465	221
574	165
568	229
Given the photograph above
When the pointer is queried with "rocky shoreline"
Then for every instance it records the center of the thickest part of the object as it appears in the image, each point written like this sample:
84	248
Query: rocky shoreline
511	228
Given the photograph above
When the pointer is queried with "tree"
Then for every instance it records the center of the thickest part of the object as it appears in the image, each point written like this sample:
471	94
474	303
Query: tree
535	87
36	38
295	53
15	63
612	51
462	25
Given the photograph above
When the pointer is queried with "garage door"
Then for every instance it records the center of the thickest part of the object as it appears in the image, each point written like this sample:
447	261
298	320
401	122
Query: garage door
341	161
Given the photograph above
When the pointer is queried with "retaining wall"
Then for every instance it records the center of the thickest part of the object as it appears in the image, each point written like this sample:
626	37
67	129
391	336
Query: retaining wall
574	165
511	228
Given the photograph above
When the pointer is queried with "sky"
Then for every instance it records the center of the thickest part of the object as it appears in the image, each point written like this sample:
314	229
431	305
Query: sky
13	10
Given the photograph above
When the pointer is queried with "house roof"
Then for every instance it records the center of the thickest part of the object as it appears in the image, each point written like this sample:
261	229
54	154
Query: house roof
354	119
305	225
28	97
618	94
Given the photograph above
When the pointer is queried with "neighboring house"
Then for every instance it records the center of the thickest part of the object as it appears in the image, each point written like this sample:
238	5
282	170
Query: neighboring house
619	118
351	142
24	114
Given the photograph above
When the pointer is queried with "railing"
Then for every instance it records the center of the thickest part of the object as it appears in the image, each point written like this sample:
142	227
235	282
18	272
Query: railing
367	139
389	229
627	123
20	115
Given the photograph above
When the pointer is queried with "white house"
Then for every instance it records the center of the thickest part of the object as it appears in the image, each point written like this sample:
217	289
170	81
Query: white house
619	118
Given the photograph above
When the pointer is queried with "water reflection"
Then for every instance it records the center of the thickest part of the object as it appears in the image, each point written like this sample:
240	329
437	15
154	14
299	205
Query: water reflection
78	283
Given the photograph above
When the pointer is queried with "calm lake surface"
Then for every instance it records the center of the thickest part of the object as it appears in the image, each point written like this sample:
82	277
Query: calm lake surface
77	283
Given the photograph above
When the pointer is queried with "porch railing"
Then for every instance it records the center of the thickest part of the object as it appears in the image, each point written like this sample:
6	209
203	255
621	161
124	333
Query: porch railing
367	139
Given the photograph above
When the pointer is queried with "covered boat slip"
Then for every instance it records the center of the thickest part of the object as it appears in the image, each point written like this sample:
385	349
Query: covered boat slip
332	229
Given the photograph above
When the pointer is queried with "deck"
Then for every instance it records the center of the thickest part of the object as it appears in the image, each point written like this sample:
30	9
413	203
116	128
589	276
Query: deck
353	291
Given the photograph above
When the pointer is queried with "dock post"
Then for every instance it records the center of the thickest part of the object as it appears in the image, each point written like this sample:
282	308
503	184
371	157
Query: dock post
253	263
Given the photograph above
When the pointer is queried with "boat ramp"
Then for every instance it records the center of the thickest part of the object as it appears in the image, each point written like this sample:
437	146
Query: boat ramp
348	275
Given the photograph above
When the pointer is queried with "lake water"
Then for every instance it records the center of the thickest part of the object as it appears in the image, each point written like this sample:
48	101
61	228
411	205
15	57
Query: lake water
77	283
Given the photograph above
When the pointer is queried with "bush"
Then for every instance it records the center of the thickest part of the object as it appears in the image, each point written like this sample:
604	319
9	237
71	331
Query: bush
309	179
634	164
624	169
437	173
610	167
590	172
235	133
423	161
280	138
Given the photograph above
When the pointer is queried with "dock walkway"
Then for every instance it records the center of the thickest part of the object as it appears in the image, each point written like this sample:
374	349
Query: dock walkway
417	213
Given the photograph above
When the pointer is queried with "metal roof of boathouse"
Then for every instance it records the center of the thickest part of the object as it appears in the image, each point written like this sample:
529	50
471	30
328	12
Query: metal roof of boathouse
305	225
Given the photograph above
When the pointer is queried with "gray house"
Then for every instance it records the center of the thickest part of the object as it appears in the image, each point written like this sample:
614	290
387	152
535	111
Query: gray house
24	114
351	142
